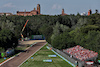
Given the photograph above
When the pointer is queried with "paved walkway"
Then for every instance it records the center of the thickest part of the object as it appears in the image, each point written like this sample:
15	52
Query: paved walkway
16	61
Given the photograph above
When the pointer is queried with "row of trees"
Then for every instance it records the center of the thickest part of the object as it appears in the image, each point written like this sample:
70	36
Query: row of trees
86	33
60	31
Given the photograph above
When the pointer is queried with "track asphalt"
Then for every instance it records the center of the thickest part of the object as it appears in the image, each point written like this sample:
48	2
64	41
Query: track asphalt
16	61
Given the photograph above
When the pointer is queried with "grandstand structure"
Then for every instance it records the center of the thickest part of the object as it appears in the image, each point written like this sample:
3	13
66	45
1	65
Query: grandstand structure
81	54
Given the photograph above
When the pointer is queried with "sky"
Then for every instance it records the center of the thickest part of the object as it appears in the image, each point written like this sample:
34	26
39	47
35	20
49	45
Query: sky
50	7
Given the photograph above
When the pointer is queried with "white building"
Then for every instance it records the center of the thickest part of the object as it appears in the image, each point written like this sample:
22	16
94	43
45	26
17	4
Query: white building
7	14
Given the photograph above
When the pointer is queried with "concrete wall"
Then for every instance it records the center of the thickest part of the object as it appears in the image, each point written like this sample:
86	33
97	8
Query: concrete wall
68	57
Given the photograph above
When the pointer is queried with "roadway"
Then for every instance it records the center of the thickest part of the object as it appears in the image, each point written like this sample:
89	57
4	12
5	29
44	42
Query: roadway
16	61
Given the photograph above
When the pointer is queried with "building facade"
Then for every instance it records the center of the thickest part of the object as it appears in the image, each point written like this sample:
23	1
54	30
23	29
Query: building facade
7	14
63	12
33	12
89	12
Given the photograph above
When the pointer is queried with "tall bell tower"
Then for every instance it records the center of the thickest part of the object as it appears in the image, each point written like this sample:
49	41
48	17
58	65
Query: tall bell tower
38	8
62	11
89	12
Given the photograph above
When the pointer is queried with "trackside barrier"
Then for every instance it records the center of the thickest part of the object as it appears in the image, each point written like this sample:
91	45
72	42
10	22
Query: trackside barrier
61	57
33	44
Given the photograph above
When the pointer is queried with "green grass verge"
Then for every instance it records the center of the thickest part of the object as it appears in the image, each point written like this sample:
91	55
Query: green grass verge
17	48
20	48
42	54
2	59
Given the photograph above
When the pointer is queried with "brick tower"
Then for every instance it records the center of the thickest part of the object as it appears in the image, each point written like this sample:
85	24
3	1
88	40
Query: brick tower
38	8
62	11
89	12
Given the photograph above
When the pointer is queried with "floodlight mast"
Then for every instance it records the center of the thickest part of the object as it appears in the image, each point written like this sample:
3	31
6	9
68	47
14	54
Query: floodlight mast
24	28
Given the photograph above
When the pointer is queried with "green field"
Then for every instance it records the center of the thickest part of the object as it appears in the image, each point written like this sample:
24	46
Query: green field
2	59
42	54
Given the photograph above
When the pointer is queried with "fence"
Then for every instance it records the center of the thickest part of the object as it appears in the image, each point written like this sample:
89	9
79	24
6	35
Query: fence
62	55
68	57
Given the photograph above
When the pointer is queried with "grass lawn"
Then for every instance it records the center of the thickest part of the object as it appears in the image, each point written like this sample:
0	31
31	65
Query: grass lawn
42	54
20	48
2	59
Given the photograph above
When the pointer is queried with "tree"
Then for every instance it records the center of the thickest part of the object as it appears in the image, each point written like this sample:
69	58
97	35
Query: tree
96	11
80	22
7	39
47	31
63	41
58	29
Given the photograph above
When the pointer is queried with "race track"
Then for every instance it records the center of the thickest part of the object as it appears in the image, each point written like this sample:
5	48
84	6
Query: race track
16	61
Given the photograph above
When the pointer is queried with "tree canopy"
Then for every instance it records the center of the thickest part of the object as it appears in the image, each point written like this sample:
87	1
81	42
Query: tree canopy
60	31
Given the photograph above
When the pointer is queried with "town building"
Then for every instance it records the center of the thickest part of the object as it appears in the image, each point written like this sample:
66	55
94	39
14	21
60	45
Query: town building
83	14
63	12
33	12
7	14
89	12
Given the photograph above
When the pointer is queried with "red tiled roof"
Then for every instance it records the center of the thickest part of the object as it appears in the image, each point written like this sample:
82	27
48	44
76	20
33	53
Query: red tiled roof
64	14
34	11
23	12
28	12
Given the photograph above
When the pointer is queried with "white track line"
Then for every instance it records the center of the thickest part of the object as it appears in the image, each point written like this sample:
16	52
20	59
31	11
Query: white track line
6	61
14	56
31	55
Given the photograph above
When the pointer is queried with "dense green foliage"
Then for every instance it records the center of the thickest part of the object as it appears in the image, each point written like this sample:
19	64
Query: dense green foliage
60	31
7	39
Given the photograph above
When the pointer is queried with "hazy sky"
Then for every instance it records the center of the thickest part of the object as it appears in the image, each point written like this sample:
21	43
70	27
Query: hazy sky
51	7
